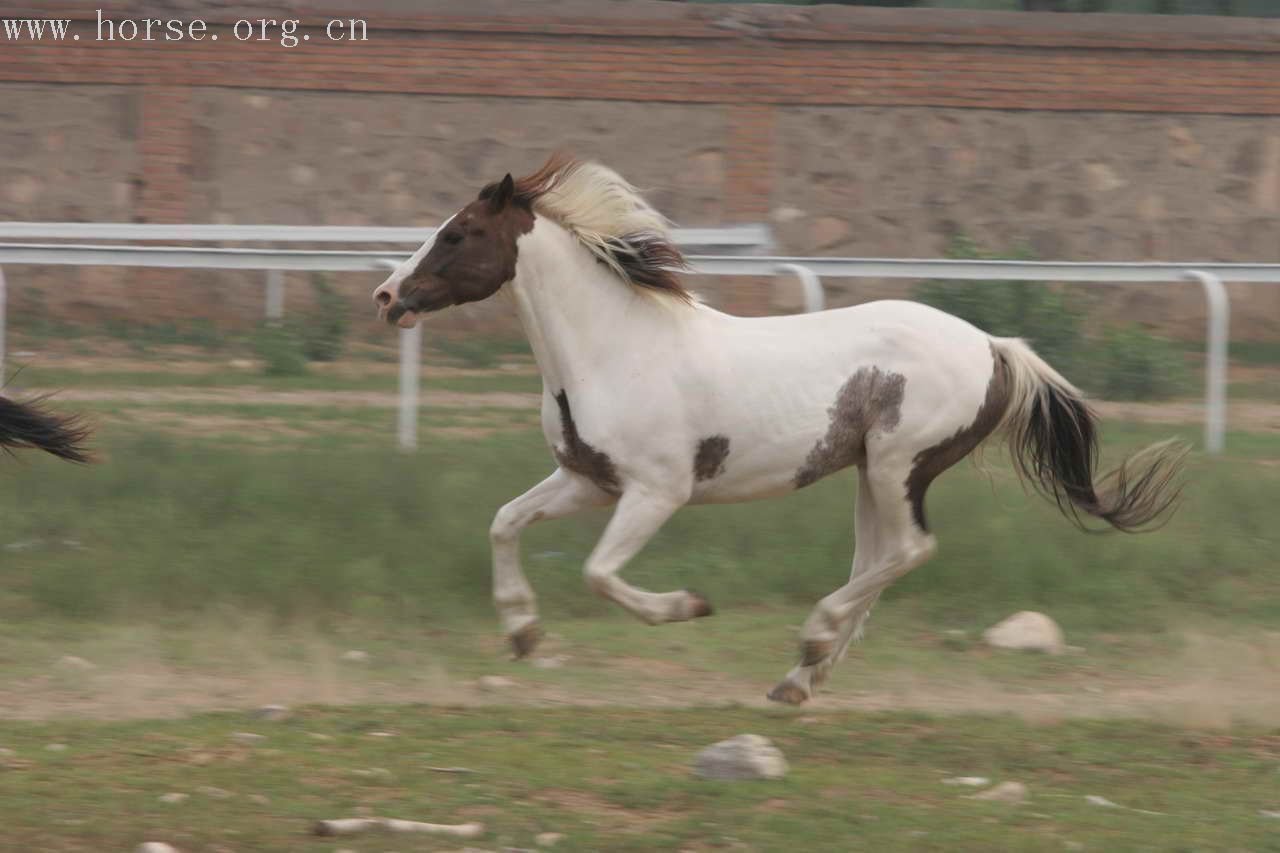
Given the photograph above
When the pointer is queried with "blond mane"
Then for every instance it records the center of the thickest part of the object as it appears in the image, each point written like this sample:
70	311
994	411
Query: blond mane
610	218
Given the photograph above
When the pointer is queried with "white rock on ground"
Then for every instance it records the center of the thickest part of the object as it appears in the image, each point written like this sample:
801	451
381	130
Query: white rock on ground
355	656
742	757
494	682
970	781
156	847
548	839
172	797
215	793
1026	630
71	662
1095	800
248	738
1005	792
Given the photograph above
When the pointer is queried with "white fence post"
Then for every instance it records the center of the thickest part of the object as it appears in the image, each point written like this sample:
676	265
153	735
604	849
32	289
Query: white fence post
410	355
814	297
275	295
4	319
1215	367
410	370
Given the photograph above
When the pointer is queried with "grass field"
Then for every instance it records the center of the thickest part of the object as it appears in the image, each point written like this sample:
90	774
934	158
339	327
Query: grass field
619	780
240	533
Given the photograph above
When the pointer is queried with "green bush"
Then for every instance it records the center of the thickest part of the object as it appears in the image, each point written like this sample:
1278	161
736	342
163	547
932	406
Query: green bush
324	328
280	348
1122	363
1133	364
479	352
1050	319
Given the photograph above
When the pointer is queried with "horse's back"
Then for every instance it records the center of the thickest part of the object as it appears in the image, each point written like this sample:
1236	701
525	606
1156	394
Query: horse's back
801	396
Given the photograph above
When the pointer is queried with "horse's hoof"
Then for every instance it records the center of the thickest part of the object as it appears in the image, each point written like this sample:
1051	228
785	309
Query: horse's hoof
788	694
699	606
524	640
814	652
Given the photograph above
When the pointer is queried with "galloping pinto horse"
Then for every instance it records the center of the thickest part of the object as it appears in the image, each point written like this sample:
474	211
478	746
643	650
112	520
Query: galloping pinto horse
652	400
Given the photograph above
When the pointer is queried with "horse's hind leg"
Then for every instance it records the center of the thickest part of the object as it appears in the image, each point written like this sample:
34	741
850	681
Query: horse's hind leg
559	495
900	545
803	679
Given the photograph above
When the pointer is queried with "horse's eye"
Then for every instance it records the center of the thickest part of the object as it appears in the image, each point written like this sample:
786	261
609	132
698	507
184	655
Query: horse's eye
452	237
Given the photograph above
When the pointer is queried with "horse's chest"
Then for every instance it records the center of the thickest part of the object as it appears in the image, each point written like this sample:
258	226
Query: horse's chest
572	451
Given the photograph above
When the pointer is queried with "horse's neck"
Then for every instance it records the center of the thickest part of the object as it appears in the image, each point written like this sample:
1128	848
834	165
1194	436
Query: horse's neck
580	320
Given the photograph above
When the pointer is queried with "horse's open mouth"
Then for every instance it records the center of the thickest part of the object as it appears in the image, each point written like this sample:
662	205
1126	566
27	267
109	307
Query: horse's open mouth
398	315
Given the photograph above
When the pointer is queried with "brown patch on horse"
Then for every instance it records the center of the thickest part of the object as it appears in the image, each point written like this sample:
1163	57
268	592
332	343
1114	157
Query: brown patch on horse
581	458
708	462
871	399
932	461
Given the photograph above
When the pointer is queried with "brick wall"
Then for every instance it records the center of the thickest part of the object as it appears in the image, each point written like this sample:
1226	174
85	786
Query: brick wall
853	130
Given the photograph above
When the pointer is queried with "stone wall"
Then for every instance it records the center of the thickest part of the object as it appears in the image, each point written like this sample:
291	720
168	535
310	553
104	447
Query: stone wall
852	131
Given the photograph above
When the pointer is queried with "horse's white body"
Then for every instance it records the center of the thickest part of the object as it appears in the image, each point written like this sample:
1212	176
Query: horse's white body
637	382
648	379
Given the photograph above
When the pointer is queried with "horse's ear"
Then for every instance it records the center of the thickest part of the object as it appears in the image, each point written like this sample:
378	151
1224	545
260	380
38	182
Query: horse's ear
503	194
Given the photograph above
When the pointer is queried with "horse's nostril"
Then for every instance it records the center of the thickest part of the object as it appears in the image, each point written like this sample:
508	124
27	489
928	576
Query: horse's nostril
382	297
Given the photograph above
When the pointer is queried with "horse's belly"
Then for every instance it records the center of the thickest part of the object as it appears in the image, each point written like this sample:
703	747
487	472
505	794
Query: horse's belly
752	472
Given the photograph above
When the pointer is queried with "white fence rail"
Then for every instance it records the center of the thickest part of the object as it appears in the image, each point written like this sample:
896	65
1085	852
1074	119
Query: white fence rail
1210	276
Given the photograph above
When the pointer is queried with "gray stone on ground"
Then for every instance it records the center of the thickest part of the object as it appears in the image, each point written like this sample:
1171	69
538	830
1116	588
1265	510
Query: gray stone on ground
271	712
355	656
1026	630
248	738
743	757
1005	792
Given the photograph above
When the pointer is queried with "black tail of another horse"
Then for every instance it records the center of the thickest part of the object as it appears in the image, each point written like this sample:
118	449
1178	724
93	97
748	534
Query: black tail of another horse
31	425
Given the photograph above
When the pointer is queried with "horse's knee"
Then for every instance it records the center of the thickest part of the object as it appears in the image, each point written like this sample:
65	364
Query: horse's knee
916	552
505	527
597	580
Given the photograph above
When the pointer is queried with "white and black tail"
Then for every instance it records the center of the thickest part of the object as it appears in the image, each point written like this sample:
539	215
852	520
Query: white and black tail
1053	435
31	425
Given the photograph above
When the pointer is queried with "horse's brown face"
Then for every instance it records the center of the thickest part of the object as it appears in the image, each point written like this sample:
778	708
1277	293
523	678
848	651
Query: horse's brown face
473	255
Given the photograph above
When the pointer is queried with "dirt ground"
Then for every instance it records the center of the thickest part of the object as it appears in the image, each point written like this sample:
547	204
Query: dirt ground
1211	681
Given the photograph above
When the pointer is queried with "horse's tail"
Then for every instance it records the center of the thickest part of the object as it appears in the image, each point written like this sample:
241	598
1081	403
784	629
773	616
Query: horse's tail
1053	435
30	425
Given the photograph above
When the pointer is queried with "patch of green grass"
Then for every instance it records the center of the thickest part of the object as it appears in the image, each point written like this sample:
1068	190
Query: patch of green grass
620	780
181	524
1256	352
36	378
1258	390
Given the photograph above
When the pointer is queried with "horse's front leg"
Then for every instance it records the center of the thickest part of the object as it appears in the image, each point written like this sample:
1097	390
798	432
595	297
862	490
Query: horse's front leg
639	514
561	494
